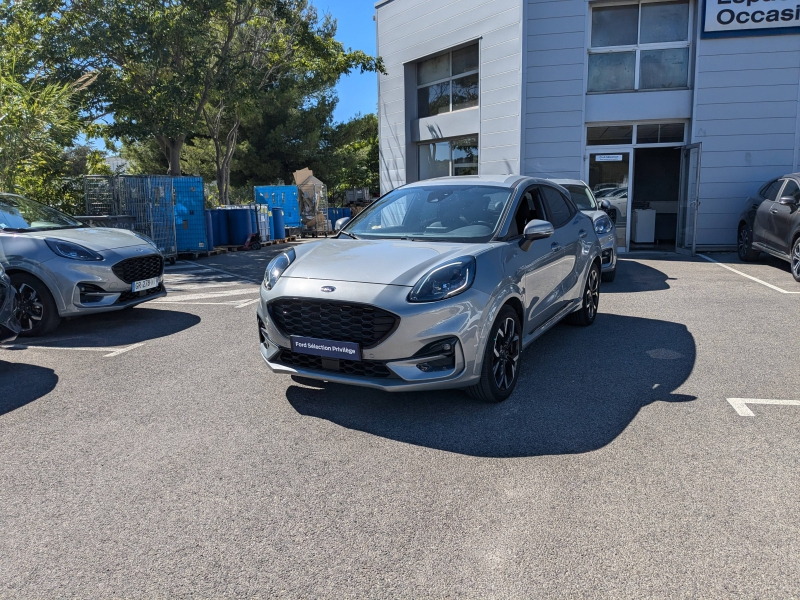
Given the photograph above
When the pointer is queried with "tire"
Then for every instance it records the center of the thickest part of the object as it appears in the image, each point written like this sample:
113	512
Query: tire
587	313
37	313
796	260
609	276
744	244
500	367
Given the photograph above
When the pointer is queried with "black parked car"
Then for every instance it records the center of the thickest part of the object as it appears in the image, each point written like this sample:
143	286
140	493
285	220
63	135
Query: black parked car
771	222
9	325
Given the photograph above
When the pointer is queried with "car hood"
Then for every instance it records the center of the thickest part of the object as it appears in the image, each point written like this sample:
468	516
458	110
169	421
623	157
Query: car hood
387	262
93	238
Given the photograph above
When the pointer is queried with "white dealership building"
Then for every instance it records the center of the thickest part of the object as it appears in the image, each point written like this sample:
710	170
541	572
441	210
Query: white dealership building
654	104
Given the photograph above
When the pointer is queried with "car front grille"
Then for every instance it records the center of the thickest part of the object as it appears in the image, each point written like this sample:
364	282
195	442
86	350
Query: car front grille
128	296
139	268
364	368
335	321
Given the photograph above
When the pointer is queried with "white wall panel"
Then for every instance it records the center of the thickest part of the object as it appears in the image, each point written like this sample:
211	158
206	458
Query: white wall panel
554	88
410	30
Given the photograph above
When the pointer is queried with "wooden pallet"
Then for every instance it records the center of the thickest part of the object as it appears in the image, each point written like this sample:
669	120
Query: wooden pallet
199	253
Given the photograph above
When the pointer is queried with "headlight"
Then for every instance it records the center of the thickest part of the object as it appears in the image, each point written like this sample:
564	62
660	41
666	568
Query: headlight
445	281
71	250
143	237
277	266
603	225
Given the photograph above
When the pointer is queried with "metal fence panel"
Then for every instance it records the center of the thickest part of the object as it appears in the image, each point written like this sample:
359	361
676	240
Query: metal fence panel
98	192
150	200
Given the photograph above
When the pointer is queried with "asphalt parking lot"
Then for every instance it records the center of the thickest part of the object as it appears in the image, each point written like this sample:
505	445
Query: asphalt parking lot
151	453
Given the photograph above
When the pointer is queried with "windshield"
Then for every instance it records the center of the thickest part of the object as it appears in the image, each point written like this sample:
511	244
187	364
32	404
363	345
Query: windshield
581	196
20	214
453	213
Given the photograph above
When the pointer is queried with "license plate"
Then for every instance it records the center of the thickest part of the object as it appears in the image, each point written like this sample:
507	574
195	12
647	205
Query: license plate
326	348
144	284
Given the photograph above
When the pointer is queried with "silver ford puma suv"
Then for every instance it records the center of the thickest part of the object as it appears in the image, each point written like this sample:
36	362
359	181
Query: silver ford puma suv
62	269
438	284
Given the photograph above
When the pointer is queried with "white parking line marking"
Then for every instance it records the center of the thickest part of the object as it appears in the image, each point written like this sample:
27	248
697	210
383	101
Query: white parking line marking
111	352
740	404
185	297
248	303
228	273
769	285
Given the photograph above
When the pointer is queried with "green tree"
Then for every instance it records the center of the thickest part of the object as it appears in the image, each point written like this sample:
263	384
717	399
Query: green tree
174	70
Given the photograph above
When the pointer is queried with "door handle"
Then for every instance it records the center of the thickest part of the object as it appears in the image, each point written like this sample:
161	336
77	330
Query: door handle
555	246
582	233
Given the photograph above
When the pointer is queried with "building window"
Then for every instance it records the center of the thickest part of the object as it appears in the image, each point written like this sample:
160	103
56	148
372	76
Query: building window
643	133
642	46
454	157
448	82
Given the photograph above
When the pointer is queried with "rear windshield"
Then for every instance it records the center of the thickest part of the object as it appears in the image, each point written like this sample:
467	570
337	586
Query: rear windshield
20	214
453	213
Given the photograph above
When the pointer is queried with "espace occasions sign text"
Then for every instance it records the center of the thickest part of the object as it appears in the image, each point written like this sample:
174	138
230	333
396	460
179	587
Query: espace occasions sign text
740	15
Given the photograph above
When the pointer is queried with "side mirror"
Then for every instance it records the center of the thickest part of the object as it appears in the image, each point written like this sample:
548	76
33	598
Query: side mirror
341	223
788	201
605	205
536	230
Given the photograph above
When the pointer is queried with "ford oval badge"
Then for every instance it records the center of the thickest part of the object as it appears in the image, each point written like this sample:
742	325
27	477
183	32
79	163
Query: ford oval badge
328	288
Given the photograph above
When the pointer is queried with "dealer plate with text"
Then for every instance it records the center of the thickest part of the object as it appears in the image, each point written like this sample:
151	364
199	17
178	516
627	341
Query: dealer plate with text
144	284
326	348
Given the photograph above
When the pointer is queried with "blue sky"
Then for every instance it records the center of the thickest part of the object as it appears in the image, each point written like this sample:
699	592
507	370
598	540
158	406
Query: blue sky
357	93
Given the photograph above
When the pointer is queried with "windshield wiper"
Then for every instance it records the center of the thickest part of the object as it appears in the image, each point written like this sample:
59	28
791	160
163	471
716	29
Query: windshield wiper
348	234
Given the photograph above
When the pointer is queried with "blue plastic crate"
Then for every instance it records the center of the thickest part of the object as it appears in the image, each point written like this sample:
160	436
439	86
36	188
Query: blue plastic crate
282	196
190	224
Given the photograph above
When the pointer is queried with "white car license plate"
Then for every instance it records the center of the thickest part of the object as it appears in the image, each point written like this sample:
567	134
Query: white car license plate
144	284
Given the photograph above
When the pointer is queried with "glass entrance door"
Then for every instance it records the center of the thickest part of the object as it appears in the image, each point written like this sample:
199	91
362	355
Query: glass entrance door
609	179
689	202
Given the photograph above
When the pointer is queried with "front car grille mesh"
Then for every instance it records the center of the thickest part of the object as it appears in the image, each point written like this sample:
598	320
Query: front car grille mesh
364	368
335	321
139	268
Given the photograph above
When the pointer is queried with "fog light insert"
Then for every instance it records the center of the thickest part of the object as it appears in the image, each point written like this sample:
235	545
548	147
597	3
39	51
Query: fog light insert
90	293
442	353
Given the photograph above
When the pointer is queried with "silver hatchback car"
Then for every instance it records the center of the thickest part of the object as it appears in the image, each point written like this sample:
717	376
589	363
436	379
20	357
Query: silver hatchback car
599	211
438	284
62	269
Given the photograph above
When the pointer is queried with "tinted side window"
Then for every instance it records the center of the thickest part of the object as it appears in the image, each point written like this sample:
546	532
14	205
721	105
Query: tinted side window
770	191
791	189
527	210
557	208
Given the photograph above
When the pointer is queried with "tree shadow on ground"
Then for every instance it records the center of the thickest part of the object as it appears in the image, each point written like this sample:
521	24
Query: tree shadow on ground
22	383
579	389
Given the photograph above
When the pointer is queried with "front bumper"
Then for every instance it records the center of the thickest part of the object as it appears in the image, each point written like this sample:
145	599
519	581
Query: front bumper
459	318
608	252
83	288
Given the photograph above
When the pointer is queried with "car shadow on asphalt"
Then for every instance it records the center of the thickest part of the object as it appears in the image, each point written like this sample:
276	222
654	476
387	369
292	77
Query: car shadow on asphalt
21	384
119	328
633	276
579	389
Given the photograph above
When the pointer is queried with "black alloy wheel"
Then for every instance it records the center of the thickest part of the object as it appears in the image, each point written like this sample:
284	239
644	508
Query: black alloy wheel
744	245
796	260
36	309
500	368
590	302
